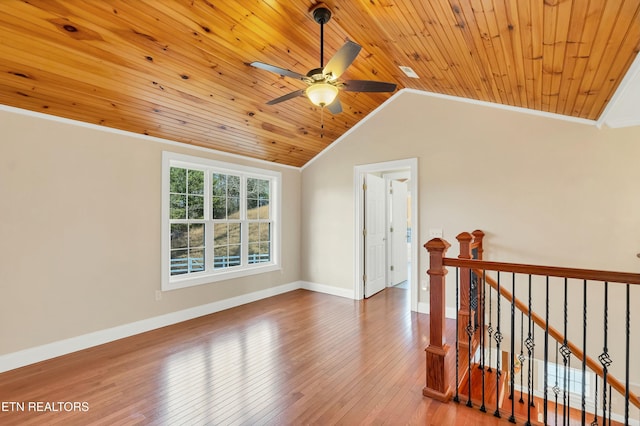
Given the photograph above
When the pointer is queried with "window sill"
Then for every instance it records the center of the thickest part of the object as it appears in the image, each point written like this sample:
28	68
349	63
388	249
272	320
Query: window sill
179	282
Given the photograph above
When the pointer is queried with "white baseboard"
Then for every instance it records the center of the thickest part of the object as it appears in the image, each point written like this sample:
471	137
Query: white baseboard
51	350
423	308
322	288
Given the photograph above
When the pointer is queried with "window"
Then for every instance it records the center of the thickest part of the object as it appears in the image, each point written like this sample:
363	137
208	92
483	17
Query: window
219	220
572	382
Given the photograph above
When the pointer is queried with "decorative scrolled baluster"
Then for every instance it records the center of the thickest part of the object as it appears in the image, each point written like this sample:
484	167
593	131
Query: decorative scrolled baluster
566	362
512	417
584	351
470	331
529	342
498	338
483	408
604	357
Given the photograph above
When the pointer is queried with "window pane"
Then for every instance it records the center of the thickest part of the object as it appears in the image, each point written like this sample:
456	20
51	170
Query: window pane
234	233
177	180
263	209
196	207
196	235
252	188
179	235
234	255
220	234
178	206
265	231
196	260
233	205
221	258
219	185
227	245
265	251
254	232
252	208
219	208
196	182
263	191
179	262
233	186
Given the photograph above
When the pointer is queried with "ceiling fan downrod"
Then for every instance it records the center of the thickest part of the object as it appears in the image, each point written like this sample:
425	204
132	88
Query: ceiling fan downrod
322	15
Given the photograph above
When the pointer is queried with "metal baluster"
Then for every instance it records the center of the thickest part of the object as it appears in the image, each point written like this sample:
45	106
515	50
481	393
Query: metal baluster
512	417
482	336
556	389
456	398
566	361
546	352
584	350
521	356
470	331
489	329
626	388
498	338
604	358
595	405
530	345
610	404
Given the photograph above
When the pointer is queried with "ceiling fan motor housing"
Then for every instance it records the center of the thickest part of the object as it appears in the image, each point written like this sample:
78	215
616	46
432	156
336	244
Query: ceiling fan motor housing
321	13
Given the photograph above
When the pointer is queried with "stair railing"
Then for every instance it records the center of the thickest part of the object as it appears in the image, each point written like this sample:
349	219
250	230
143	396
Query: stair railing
478	331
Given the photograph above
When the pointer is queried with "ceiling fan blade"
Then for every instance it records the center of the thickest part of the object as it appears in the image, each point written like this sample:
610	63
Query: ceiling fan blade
368	86
277	70
335	107
286	97
342	59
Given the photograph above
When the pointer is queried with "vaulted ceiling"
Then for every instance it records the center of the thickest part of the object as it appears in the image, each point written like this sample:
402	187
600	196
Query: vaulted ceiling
179	69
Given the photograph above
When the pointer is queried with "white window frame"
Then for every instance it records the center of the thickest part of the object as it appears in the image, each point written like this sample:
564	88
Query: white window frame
210	275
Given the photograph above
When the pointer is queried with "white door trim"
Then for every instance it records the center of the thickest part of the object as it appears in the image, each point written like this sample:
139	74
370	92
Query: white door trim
358	178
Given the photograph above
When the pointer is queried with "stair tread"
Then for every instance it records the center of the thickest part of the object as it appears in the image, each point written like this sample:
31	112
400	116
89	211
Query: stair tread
491	396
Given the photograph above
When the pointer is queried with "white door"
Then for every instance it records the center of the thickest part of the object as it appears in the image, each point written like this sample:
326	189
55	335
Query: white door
374	235
399	257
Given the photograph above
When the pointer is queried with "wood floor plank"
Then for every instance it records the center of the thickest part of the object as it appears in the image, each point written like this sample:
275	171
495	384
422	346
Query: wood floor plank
297	358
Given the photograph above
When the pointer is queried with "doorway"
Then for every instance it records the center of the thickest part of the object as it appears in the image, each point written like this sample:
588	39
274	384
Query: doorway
375	258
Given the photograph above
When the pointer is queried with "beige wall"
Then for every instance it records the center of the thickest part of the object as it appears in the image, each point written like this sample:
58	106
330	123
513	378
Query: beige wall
80	232
544	190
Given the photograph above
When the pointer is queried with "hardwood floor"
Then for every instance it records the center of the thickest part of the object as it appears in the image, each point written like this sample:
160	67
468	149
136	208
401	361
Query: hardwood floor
297	358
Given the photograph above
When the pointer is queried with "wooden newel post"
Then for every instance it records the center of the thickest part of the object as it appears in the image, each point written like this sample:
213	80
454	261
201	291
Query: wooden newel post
464	313
437	386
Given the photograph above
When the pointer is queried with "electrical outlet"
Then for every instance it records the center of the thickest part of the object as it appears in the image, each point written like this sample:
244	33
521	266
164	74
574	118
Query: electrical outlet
158	295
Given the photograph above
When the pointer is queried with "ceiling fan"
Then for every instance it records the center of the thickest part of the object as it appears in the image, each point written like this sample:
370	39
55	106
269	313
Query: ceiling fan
322	83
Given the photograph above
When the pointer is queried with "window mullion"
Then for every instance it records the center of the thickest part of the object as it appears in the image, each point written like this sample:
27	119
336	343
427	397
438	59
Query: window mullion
244	232
208	222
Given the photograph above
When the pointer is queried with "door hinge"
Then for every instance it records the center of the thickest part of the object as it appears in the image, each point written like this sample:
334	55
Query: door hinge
364	186
364	278
392	267
391	229
364	232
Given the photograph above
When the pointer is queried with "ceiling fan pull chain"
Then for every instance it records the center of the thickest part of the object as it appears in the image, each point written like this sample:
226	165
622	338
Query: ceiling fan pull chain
321	122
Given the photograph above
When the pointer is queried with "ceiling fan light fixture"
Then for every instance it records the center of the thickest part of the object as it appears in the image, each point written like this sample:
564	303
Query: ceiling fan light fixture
322	94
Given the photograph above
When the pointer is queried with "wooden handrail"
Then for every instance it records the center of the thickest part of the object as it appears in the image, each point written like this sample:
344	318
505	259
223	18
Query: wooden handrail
437	249
551	271
575	350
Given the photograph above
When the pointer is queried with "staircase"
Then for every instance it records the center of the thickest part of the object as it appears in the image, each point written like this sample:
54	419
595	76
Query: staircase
510	361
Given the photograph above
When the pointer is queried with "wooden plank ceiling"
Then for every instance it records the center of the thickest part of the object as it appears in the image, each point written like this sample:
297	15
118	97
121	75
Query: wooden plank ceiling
178	69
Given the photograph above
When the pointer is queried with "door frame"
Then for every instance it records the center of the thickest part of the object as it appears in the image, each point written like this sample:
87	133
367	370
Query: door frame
410	164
